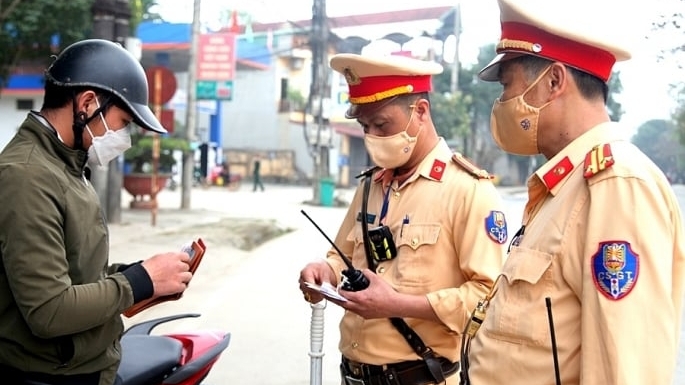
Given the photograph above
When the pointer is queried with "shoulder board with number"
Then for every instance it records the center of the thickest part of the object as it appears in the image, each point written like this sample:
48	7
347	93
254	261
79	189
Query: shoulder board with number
597	160
469	167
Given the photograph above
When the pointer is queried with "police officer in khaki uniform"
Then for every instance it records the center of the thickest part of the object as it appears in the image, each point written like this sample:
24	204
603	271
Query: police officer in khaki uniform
442	214
592	289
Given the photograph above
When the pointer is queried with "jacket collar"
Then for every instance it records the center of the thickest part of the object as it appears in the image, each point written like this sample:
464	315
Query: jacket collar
554	174
35	128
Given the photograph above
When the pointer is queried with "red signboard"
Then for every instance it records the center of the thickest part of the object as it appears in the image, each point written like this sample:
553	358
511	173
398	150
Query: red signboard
167	120
161	84
216	56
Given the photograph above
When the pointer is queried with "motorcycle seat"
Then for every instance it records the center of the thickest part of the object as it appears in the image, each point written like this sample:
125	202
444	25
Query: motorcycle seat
147	359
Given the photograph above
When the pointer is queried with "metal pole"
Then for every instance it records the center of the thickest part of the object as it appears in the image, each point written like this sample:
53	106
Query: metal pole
155	145
188	156
454	79
319	90
103	28
316	343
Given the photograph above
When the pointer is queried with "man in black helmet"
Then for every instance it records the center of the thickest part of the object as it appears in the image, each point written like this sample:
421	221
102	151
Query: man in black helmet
60	300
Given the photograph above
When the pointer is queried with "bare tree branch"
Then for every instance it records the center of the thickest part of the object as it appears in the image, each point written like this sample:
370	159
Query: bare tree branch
8	10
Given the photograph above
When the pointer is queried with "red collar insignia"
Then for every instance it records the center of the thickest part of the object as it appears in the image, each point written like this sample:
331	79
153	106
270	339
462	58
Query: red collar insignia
437	169
557	173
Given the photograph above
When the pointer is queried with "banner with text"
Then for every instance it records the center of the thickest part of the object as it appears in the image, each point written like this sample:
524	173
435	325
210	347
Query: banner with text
215	66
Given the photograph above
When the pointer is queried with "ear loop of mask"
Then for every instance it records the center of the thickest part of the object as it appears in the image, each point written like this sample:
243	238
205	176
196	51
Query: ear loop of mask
534	83
99	111
81	120
411	117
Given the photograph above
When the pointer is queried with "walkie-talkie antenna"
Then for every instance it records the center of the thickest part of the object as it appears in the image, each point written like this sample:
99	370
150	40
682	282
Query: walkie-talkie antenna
342	255
555	354
353	279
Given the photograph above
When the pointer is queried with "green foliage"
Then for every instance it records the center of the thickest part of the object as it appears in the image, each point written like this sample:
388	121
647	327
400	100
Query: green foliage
141	11
679	117
658	139
615	87
472	106
450	114
140	153
297	100
28	27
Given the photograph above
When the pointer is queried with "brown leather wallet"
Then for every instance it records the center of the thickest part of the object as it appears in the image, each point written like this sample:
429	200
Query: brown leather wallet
196	251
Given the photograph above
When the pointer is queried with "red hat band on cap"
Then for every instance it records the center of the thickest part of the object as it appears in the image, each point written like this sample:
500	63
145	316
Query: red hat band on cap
374	88
524	38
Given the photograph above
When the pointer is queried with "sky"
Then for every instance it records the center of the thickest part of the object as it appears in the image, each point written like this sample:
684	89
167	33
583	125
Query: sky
646	80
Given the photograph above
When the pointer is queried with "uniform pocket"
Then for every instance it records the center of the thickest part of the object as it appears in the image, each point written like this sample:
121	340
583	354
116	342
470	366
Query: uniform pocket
416	248
518	313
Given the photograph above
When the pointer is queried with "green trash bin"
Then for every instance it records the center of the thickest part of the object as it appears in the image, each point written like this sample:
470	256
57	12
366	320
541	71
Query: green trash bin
326	191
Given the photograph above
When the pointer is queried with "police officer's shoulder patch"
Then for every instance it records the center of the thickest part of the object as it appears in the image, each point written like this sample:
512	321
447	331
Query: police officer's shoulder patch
598	159
469	167
496	227
615	268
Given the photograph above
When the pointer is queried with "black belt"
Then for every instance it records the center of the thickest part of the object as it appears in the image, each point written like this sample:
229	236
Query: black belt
17	377
401	373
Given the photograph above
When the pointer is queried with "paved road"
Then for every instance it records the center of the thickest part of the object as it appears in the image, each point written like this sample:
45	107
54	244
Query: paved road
254	294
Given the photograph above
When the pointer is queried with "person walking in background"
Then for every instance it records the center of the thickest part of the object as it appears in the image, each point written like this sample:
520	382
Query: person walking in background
225	173
256	174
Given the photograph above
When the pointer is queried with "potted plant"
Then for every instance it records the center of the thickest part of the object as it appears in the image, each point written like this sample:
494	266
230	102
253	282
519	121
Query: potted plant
139	165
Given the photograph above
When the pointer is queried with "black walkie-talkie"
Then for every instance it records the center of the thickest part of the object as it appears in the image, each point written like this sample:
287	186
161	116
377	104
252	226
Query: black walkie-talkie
353	279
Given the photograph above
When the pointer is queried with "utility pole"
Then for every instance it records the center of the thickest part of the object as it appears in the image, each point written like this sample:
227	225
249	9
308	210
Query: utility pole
454	79
320	95
191	107
110	22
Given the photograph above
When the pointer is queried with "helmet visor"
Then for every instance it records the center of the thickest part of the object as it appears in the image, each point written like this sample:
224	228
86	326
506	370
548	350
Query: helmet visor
143	116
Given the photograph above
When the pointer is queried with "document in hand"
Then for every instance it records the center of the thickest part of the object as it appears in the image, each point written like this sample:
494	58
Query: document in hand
196	250
326	289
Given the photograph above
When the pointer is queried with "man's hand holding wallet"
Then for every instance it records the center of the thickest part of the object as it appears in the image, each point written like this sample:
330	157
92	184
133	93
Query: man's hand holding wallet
196	251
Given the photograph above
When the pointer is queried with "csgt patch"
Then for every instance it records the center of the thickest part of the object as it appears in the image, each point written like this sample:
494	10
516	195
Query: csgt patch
496	227
615	268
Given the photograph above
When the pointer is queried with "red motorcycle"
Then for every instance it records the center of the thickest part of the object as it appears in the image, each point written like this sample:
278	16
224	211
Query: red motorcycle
180	359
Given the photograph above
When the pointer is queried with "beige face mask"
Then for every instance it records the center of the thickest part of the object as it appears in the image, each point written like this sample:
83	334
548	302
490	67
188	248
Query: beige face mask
392	151
514	123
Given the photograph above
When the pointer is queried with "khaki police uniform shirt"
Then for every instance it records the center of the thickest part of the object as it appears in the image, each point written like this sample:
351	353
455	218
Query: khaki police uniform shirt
608	250
450	249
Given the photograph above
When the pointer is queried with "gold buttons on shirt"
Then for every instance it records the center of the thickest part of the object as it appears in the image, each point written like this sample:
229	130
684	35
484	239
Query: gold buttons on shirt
381	270
355	345
414	242
396	194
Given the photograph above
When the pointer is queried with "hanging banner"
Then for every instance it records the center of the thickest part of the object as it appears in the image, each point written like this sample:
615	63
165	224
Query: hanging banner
215	66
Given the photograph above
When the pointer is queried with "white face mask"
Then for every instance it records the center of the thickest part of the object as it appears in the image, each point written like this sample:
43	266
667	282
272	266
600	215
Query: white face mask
108	146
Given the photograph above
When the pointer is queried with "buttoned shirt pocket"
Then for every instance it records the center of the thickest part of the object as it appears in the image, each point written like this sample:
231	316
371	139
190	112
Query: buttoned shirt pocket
418	254
355	235
518	311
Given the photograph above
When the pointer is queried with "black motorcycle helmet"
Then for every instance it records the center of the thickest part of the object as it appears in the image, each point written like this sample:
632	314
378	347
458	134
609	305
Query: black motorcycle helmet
106	66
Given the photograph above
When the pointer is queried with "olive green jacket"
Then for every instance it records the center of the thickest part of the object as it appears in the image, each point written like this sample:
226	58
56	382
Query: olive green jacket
59	305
